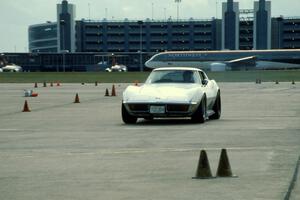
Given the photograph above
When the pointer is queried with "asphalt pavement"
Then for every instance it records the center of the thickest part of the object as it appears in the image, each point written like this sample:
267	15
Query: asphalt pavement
61	150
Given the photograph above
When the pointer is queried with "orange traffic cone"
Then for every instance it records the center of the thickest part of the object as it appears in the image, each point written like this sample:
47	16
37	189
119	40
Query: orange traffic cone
113	91
35	85
136	83
224	168
203	169
76	99
106	93
26	108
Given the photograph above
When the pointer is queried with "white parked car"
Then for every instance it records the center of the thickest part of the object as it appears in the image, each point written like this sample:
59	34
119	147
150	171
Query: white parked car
173	92
12	68
117	68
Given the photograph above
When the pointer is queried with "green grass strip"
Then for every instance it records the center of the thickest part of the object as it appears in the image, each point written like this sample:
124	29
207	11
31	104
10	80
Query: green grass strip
129	77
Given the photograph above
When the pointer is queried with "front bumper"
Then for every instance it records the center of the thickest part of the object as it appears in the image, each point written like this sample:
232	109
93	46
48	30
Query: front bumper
170	109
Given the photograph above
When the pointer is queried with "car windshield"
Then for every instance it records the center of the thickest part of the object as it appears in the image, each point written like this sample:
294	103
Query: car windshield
172	76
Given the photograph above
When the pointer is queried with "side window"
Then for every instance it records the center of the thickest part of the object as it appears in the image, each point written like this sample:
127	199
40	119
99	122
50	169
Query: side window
197	77
202	75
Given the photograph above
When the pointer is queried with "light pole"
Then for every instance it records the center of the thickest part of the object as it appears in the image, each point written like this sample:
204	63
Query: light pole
152	11
216	9
140	22
106	12
178	2
64	59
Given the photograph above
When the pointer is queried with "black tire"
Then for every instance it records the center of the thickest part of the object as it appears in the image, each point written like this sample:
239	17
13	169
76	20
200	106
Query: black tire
217	107
200	114
126	117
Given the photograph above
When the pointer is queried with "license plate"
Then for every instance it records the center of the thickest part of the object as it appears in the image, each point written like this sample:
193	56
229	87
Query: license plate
157	109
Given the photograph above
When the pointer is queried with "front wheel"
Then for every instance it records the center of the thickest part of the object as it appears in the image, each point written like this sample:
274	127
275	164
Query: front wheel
200	114
217	107
126	117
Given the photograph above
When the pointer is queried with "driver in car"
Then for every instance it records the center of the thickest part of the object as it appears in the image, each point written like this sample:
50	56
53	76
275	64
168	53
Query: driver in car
188	77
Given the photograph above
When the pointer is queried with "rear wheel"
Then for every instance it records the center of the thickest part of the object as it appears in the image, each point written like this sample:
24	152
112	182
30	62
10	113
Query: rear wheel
200	114
217	107
126	117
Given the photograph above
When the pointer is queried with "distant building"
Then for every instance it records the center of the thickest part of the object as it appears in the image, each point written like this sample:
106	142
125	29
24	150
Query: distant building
66	26
232	32
43	37
246	34
230	25
285	33
148	35
262	25
291	33
84	45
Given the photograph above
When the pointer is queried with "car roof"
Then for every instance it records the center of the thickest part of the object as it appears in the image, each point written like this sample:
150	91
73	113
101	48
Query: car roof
177	68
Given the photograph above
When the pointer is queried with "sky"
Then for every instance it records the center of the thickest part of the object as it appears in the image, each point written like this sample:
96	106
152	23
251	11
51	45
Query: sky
17	15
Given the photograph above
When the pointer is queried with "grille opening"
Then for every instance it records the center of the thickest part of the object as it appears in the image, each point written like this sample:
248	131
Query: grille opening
178	108
138	107
170	107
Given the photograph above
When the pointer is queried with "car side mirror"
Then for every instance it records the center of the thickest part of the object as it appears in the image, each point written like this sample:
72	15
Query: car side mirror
204	82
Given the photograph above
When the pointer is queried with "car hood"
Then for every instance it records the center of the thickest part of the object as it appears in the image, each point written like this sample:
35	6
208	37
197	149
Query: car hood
173	93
